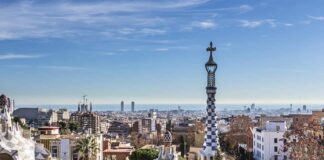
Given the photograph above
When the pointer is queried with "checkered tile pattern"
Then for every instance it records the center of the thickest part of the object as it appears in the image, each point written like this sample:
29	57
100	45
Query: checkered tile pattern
211	140
211	125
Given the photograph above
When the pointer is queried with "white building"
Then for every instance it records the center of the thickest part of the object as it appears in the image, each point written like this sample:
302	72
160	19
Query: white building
152	117
268	141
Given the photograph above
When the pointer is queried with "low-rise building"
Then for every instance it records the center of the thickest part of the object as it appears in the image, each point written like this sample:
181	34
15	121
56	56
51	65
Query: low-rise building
300	119
63	115
36	117
63	147
268	141
119	128
120	151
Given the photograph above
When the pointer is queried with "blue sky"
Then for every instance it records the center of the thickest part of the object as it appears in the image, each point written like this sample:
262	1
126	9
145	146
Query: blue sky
53	52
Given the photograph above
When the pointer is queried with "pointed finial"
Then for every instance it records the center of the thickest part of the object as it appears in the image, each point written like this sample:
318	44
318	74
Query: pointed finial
211	49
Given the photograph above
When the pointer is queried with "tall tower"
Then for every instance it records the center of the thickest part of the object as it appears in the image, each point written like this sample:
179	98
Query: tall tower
133	106
122	106
209	149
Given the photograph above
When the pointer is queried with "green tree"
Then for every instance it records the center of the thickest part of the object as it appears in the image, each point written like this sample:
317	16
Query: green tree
301	142
144	154
87	148
181	158
63	127
184	146
73	126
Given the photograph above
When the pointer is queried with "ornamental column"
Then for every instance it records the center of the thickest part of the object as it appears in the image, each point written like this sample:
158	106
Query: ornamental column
209	149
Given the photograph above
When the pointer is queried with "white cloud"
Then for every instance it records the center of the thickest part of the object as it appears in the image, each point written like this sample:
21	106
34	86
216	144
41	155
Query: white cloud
226	44
6	35
57	67
311	19
257	23
109	53
126	31
63	19
206	24
17	66
53	67
288	24
306	22
168	48
9	56
162	49
239	9
126	6
317	18
151	31
244	8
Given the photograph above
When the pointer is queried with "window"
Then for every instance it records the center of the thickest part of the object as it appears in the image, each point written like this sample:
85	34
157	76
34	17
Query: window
276	149
278	128
259	138
275	140
262	139
258	154
276	157
259	145
54	151
262	147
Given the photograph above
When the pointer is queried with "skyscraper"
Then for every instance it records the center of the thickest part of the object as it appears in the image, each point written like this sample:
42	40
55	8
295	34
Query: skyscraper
209	149
122	106
133	106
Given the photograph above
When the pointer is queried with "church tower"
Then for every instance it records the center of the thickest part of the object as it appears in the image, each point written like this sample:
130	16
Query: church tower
209	149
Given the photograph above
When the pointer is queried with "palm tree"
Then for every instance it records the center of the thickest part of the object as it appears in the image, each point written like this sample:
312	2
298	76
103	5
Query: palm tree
87	148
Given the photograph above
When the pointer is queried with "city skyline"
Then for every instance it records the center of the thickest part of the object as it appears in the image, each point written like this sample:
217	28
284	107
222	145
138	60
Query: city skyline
154	52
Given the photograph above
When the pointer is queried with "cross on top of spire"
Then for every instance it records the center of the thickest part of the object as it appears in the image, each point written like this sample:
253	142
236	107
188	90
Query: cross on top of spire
211	49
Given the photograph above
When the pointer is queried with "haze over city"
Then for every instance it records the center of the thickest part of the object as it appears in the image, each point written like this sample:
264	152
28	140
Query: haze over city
53	52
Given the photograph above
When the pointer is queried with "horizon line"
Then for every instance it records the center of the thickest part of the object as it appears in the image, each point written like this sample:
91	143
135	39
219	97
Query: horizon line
179	104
